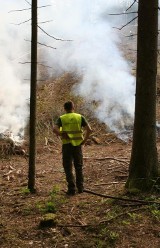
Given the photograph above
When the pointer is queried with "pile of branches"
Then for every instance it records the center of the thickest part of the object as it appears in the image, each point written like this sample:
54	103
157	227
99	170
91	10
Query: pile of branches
8	146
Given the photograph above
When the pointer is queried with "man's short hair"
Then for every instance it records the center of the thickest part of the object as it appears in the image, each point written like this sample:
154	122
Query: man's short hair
69	105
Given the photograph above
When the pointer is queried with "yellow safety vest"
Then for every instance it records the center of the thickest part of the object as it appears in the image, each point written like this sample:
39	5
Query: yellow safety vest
71	124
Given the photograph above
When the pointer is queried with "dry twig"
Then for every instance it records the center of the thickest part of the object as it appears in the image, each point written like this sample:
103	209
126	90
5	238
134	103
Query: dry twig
103	221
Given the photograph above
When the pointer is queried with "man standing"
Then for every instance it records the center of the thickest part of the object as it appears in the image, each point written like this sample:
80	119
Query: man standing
69	127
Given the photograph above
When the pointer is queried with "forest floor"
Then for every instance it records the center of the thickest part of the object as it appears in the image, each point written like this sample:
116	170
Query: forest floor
49	218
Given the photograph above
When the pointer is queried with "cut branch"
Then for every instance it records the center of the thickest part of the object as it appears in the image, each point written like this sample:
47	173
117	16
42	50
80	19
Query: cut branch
119	215
104	221
110	158
120	198
102	184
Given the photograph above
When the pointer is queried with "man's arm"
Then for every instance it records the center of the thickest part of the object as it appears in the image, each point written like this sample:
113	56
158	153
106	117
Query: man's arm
88	131
56	127
56	130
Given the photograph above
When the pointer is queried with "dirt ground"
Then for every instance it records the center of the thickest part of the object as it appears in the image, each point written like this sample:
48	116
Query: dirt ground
49	218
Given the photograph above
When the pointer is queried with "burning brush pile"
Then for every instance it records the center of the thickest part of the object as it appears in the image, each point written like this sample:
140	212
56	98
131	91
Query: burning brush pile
10	145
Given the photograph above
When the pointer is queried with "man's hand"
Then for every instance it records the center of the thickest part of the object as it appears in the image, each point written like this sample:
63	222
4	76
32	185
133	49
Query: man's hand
88	130
83	142
64	135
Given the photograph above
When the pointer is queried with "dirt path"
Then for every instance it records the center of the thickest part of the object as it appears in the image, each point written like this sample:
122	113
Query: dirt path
84	220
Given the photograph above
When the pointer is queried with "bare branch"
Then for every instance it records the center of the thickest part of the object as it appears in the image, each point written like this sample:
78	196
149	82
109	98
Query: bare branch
21	22
45	22
27	2
44	65
46	45
23	63
51	35
131	35
135	1
38	80
126	23
125	13
42	44
30	20
49	5
133	50
19	10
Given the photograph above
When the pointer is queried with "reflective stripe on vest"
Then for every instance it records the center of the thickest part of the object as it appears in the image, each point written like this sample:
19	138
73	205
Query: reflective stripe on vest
71	124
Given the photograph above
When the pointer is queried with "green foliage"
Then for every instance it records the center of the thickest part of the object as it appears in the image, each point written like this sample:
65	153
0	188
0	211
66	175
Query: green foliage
134	216
126	222
54	201
113	236
40	206
155	211
25	191
50	207
100	243
110	237
55	190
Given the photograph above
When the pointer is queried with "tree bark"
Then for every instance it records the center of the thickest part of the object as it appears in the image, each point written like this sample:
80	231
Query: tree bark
143	169
32	130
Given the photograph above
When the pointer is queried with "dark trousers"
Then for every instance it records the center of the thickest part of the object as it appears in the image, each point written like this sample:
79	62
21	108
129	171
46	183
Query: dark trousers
72	155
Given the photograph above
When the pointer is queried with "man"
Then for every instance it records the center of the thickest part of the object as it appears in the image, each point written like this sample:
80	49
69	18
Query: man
69	127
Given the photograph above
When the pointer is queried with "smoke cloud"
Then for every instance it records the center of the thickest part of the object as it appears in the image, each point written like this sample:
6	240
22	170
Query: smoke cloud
14	93
93	53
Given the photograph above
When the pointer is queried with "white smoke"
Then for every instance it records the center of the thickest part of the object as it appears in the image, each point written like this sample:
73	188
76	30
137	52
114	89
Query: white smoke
93	53
14	93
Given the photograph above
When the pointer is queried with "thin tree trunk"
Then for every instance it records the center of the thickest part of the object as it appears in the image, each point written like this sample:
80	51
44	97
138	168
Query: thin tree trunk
143	169
32	131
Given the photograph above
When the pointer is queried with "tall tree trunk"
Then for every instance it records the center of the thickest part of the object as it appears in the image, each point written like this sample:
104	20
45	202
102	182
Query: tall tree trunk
143	169
32	131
